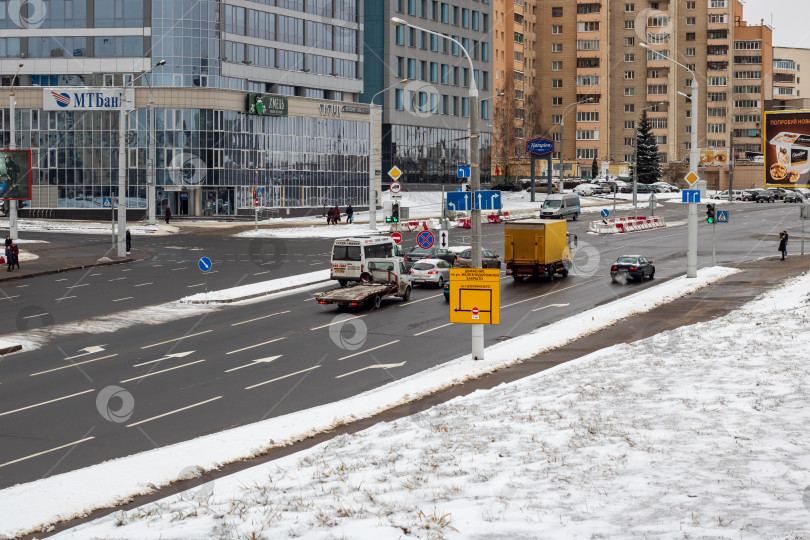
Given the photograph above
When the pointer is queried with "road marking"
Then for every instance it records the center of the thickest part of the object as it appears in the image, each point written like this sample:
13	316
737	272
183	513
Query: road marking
283	377
46	402
127	270
341	321
21	286
177	339
315	263
93	349
197	285
183	268
255	362
260	273
45	452
156	265
161	371
420	300
260	318
548	293
125	298
375	366
74	286
142	284
172	355
73	364
117	279
63	279
37	315
64	298
551	305
369	350
10	297
432	329
254	346
96	274
181	409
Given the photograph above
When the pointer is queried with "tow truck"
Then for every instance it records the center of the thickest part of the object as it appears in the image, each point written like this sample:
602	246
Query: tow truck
383	277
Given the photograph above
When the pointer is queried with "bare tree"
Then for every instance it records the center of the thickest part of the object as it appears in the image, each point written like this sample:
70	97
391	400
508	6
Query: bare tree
534	124
503	144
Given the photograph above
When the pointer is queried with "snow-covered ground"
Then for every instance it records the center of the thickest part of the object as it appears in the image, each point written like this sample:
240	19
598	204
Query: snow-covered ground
700	432
31	506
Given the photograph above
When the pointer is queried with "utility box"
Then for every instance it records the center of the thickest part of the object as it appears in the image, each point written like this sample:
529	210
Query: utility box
536	247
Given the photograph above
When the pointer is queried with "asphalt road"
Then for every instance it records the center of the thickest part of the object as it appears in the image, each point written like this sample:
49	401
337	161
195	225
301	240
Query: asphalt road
94	395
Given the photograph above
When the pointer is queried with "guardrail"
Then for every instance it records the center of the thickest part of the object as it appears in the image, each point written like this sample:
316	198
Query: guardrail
626	224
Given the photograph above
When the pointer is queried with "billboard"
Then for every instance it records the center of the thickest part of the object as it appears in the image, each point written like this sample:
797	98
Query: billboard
787	148
74	98
15	174
714	157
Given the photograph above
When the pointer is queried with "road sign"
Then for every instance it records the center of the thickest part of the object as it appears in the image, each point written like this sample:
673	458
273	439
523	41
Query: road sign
463	171
395	187
205	264
444	239
396	237
540	146
259	190
107	202
487	200
722	216
690	196
459	201
605	213
691	177
475	295
425	240
395	173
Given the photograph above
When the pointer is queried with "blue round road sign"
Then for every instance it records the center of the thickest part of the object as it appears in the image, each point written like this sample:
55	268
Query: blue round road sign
205	264
605	212
425	239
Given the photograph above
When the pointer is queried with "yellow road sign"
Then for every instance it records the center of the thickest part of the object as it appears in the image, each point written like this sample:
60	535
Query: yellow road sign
395	173
475	296
691	177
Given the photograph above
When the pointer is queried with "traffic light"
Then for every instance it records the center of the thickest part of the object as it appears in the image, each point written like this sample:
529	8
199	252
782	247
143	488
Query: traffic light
710	213
395	213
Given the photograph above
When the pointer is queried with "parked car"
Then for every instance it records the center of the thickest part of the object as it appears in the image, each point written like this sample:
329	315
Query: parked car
587	189
631	267
488	259
663	187
763	195
749	194
793	197
418	253
446	291
723	195
430	271
642	188
781	192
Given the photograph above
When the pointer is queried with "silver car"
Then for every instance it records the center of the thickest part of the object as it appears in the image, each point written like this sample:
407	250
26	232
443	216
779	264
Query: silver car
432	271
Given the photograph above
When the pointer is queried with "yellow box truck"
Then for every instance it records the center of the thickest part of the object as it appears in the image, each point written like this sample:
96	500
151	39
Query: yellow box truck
537	248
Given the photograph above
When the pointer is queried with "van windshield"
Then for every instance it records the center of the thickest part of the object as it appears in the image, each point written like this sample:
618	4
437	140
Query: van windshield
552	204
346	253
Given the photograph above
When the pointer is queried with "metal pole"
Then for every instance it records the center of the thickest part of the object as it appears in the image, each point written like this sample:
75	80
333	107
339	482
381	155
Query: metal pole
714	244
150	170
731	163
691	222
802	236
12	204
372	184
562	148
122	174
635	180
532	184
475	184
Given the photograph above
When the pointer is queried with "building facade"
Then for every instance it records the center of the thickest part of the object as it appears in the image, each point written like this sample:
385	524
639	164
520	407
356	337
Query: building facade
425	128
212	148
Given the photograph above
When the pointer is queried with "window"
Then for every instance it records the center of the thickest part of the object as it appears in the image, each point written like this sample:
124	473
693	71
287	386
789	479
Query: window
690	36
629	107
399	99
629	91
629	124
629	57
588	26
587	44
518	56
629	41
717	4
690	5
587	80
690	21
629	141
656	89
556	102
587	153
748	45
718	19
690	51
717	81
519	38
629	24
629	75
629	8
556	47
556	12
715	128
556	119
587	134
556	29
556	83
587	116
716	96
556	65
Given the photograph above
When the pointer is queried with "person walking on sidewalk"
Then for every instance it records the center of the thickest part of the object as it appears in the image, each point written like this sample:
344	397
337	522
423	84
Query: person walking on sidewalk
783	240
9	258
15	255
129	242
168	214
349	214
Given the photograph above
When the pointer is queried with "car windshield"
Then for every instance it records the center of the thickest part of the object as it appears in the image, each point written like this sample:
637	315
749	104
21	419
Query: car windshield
346	253
627	260
424	266
420	251
552	204
465	255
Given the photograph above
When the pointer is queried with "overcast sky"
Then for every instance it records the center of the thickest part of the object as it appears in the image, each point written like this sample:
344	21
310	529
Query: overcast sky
787	17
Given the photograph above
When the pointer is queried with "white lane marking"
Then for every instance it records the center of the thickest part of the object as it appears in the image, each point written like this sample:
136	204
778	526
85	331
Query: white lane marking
74	286
45	452
197	285
183	268
181	409
142	284
96	274
406	304
551	305
256	362
260	273
432	329
10	297
21	286
159	372
375	366
93	349
127	270
64	298
316	263
171	355
548	293
46	402
37	315
117	279
254	346
73	364
63	279
341	321
156	265
122	299
176	339
282	377
260	318
369	350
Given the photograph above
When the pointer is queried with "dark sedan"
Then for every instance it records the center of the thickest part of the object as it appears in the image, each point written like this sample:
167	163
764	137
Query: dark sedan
631	267
642	188
763	195
749	195
417	254
793	197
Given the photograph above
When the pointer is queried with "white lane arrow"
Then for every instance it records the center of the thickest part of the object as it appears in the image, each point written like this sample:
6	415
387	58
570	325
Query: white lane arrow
257	361
551	305
479	201
170	355
453	205
375	366
466	201
492	202
88	350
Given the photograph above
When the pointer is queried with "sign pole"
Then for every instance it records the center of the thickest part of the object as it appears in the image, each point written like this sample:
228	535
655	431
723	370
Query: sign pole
112	220
550	180
714	243
802	237
532	184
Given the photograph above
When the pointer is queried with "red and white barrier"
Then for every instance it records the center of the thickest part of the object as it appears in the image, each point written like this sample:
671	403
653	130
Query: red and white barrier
626	224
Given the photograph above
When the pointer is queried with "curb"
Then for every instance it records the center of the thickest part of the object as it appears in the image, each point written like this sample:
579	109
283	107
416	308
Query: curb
257	295
10	349
68	269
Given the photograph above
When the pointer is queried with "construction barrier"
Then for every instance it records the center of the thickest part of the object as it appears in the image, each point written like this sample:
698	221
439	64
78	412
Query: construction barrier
493	218
626	224
464	223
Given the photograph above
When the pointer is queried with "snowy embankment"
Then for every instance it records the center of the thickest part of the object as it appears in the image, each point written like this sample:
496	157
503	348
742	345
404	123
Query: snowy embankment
37	504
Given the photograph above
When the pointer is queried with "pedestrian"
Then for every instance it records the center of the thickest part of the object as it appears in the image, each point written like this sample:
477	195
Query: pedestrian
168	214
349	214
15	255
129	242
783	240
9	258
335	215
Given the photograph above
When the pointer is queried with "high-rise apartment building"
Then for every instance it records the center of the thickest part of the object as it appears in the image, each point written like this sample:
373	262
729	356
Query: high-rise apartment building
787	65
425	129
304	145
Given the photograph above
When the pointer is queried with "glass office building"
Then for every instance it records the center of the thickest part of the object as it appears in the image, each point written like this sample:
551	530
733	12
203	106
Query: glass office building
212	147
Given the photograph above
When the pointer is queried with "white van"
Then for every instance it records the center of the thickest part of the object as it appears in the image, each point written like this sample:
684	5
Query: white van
349	255
561	205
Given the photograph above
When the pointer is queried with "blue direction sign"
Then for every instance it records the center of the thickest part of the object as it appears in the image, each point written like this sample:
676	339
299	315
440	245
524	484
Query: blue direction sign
605	213
205	264
463	171
425	239
488	200
107	202
540	146
459	201
722	216
690	195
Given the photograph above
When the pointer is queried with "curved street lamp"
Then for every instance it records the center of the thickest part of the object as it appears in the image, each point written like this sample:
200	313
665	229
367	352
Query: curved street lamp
12	145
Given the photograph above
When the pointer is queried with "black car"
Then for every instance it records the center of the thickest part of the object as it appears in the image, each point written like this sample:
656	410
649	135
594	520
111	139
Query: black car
642	188
763	195
749	195
631	267
792	197
434	252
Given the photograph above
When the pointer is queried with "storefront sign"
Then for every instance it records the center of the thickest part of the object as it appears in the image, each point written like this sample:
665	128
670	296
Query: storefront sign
86	99
266	105
356	109
328	109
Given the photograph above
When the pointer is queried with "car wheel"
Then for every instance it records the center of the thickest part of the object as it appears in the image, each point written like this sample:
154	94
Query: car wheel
441	282
407	295
377	301
652	274
575	216
342	282
550	270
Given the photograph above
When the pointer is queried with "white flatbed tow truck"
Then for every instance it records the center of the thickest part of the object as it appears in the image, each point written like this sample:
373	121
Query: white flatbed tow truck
384	277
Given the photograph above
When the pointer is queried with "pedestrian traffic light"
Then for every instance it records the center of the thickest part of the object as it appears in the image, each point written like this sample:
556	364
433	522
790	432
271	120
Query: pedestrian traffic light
395	213
710	213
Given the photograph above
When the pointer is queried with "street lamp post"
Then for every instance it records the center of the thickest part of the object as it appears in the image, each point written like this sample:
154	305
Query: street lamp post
12	145
691	222
475	175
562	142
372	180
122	163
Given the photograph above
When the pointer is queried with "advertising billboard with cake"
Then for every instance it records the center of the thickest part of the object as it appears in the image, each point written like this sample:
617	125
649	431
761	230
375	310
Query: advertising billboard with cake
787	148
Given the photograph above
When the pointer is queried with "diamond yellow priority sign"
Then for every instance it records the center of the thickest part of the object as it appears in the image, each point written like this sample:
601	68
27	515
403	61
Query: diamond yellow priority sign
475	296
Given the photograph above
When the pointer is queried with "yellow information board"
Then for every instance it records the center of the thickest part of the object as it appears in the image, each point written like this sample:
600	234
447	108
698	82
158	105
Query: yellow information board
475	295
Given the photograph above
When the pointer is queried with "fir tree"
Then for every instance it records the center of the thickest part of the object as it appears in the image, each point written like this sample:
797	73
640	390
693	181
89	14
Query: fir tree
594	168
648	169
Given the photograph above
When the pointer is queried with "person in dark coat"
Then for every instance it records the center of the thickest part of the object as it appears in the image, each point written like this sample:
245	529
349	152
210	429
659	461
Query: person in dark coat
129	241
349	214
783	240
335	215
9	257
168	214
15	255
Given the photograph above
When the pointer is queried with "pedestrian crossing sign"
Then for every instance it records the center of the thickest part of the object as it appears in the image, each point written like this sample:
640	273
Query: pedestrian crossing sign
722	216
